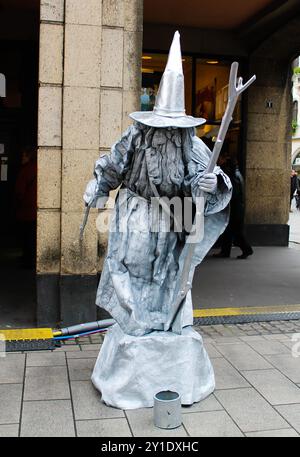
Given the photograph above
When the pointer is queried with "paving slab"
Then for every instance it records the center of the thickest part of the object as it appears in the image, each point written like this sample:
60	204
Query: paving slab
271	347
141	424
289	343
81	369
87	403
208	404
47	419
236	331
91	347
46	383
36	359
67	348
279	336
256	393
12	368
211	424
9	431
285	433
212	351
206	339
82	355
243	357
249	410
10	403
97	337
227	377
274	386
226	340
292	414
114	428
252	338
46	351
287	364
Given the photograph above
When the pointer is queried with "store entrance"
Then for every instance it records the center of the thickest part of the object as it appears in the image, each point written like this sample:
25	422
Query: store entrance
19	33
206	93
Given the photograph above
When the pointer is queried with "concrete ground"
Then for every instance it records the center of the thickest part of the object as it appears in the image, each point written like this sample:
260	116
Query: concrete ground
269	277
294	224
17	291
257	389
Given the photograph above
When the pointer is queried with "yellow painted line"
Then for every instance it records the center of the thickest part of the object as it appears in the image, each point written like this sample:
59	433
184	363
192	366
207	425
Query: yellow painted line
26	334
216	312
47	333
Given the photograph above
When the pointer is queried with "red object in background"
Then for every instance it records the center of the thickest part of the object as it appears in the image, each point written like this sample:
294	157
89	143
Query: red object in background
26	192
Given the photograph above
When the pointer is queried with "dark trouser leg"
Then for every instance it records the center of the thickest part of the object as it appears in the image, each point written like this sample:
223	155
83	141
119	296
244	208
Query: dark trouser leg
241	241
226	241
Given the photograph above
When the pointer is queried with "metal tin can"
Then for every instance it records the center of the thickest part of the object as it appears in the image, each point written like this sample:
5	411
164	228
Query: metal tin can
167	409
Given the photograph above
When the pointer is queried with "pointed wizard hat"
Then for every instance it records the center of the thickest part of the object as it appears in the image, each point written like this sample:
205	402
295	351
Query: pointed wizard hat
169	109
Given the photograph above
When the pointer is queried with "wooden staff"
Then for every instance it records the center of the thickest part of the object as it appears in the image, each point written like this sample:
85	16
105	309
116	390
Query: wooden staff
236	87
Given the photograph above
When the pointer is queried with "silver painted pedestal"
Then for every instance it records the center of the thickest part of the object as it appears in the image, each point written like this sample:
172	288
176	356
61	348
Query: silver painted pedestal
130	370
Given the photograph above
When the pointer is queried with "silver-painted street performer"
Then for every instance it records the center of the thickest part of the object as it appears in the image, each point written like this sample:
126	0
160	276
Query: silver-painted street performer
146	280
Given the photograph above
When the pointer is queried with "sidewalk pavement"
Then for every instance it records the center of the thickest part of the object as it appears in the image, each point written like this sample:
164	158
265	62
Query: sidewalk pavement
270	277
257	389
294	223
271	274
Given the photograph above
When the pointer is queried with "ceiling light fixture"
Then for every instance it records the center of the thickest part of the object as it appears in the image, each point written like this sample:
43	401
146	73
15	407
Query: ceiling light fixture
147	70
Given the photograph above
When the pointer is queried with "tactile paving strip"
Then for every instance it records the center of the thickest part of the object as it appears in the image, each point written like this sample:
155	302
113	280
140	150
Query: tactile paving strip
30	345
246	318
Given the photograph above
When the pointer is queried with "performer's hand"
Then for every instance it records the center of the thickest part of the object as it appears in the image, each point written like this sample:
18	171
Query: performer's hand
90	198
208	183
101	202
90	192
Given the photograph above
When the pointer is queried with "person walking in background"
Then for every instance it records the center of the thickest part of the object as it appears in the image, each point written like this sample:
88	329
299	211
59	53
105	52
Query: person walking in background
234	233
298	193
26	205
294	185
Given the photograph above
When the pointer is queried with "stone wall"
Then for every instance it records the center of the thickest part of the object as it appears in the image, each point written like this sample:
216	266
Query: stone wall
89	81
268	139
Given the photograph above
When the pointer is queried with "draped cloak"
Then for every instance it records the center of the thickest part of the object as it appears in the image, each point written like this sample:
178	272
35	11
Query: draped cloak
142	270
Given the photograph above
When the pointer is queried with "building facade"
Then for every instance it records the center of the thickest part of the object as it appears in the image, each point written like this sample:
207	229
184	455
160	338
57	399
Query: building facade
89	81
295	159
90	75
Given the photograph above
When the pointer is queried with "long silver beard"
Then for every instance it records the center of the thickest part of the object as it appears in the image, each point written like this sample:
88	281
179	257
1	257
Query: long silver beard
168	151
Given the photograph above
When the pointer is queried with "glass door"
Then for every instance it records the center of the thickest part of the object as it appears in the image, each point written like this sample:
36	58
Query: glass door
210	100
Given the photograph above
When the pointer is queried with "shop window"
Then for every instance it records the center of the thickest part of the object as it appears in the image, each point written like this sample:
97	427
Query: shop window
296	163
211	96
295	111
153	66
206	95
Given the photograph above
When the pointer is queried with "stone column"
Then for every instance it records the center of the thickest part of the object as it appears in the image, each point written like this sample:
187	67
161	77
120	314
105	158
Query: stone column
49	160
268	151
269	136
101	45
81	127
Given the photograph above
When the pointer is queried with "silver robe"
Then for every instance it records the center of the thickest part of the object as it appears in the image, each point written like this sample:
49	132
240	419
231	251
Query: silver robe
142	270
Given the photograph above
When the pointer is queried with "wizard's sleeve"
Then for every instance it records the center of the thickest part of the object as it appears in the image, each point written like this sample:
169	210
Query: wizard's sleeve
110	168
220	199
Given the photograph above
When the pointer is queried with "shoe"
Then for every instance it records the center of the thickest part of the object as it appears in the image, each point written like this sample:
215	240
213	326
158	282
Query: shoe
221	255
245	255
